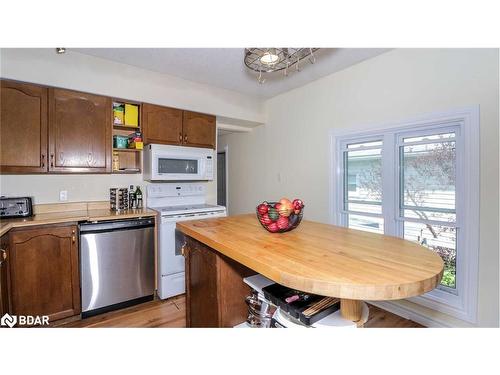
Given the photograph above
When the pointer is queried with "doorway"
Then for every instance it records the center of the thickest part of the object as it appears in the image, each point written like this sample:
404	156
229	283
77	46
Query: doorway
222	178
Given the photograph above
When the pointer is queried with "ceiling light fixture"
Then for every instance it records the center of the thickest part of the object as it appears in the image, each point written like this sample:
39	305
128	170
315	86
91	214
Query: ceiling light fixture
270	60
60	50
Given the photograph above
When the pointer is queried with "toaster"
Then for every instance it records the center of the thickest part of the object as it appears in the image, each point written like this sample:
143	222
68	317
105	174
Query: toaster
15	207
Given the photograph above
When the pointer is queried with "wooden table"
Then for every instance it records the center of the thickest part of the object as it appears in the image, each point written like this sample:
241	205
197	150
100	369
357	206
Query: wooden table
324	259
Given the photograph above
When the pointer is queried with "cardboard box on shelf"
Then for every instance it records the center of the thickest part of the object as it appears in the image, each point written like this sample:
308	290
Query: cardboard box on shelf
131	115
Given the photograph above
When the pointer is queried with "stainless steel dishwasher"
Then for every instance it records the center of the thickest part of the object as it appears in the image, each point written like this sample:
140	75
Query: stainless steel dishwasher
116	264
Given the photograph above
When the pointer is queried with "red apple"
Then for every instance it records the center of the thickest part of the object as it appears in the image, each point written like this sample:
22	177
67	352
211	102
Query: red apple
297	204
262	208
282	222
265	219
273	227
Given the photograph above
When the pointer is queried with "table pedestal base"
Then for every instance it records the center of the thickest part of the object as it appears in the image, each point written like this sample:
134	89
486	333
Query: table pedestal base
353	310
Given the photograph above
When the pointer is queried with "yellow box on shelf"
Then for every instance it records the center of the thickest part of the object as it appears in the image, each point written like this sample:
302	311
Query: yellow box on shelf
136	145
131	115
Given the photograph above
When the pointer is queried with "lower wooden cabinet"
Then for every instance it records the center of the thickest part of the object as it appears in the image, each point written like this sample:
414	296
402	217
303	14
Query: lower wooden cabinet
44	272
215	291
4	276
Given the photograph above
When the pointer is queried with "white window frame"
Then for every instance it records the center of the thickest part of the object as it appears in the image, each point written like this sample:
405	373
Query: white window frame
463	303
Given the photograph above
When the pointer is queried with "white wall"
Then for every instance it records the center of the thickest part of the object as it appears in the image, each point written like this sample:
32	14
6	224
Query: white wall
91	74
289	155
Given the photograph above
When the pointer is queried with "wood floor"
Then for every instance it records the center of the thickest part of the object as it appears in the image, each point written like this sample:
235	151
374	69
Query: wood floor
172	313
379	318
168	313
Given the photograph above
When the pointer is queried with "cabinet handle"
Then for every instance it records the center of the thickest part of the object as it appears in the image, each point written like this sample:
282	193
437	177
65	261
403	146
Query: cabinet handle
3	256
43	160
183	249
51	160
73	238
180	137
185	138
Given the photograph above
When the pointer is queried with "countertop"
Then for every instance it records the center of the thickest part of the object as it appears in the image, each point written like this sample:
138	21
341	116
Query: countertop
324	259
82	212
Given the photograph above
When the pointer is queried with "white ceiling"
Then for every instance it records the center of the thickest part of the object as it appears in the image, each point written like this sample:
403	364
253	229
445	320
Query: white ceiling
224	67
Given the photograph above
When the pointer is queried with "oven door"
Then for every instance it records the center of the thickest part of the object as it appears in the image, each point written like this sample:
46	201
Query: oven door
179	168
170	260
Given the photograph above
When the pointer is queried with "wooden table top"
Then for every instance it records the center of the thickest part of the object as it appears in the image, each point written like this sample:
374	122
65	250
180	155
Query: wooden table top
324	259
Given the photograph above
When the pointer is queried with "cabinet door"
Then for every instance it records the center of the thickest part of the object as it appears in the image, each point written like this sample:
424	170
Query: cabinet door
23	130
201	286
4	287
161	124
44	272
232	291
198	130
79	132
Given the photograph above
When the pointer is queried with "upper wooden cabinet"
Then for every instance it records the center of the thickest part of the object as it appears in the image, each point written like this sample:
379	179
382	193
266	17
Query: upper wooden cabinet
161	124
44	272
198	130
23	128
79	132
51	130
170	126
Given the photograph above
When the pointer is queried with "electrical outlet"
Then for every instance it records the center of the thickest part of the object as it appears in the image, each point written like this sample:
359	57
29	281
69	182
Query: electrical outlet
63	195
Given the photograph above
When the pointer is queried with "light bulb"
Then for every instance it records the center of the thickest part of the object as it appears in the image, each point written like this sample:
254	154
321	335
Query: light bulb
269	58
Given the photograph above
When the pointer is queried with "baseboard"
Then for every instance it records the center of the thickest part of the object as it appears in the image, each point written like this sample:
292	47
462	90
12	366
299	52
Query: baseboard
409	314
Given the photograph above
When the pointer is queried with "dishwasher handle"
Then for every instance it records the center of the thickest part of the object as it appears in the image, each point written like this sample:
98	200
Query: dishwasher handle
116	225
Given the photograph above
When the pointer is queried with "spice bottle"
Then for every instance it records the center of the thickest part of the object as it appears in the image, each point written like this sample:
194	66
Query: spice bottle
131	197
138	197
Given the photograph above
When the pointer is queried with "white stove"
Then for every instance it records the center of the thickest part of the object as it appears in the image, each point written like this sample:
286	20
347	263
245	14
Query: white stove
190	209
174	203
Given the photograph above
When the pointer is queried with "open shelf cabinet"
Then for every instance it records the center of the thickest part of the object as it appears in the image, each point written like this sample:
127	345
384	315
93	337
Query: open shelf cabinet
126	157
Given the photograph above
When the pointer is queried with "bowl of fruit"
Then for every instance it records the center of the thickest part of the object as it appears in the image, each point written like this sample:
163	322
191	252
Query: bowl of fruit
282	216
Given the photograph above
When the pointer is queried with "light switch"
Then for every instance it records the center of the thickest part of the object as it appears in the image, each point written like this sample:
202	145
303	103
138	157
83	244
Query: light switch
63	195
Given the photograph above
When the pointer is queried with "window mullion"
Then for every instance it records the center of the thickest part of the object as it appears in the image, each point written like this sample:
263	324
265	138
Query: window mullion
388	185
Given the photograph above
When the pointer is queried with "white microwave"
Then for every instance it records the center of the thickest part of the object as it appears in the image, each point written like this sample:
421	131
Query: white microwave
178	163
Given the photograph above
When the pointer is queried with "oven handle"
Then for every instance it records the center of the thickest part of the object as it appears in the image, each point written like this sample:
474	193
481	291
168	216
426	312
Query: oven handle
170	219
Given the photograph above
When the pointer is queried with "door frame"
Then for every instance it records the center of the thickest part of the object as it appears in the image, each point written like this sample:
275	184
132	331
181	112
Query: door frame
225	150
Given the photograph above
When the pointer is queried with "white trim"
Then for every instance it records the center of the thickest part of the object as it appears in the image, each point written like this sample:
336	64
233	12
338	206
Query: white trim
234	128
225	150
464	305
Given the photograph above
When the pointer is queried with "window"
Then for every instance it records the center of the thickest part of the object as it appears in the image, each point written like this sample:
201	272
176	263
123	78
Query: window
427	201
363	190
418	181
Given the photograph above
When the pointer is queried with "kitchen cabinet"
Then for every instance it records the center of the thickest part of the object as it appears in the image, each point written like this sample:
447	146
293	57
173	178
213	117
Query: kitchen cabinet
4	276
44	272
161	125
198	130
170	126
79	132
52	130
215	291
23	130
